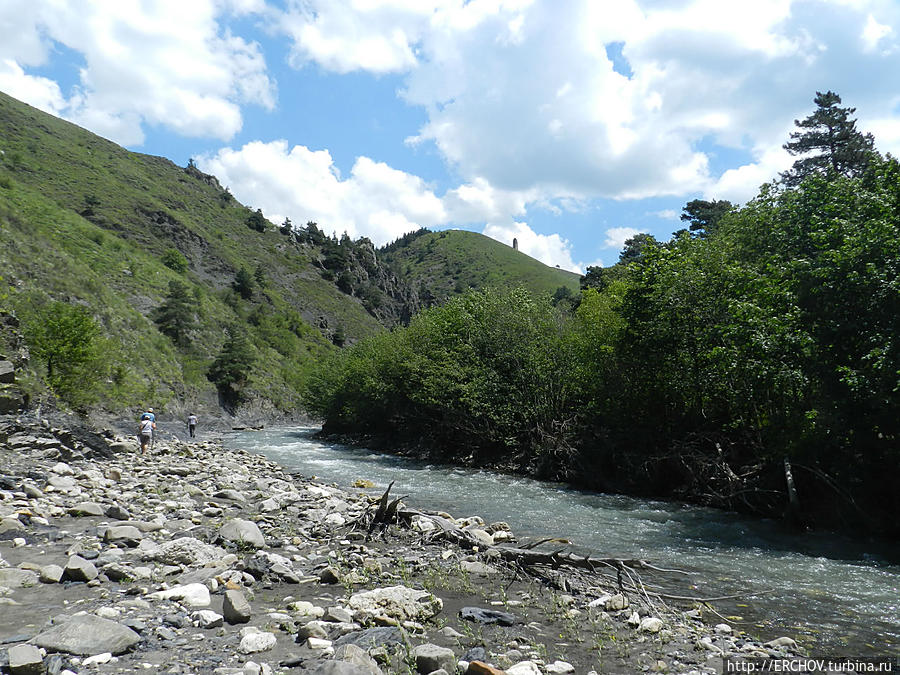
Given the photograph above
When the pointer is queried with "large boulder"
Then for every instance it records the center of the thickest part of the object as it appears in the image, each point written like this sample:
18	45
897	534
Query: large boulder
185	551
79	569
395	604
12	577
7	372
430	657
192	595
242	532
25	660
88	634
235	607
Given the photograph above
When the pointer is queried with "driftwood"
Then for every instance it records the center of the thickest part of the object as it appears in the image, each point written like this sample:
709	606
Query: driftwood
558	566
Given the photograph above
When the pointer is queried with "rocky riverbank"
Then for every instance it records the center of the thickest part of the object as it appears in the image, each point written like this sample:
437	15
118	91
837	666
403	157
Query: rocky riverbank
198	559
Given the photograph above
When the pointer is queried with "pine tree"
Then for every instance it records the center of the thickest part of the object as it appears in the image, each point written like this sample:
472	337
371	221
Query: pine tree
243	283
175	316
831	133
231	369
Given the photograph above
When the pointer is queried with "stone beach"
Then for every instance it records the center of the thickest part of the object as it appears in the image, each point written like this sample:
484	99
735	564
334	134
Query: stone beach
199	559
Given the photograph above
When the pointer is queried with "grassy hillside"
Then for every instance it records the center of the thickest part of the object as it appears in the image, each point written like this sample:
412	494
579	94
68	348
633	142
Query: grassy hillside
443	264
86	223
89	223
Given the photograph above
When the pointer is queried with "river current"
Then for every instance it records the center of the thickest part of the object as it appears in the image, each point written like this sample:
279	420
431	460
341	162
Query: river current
838	594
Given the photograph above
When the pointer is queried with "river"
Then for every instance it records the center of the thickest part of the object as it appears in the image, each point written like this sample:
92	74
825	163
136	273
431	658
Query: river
838	594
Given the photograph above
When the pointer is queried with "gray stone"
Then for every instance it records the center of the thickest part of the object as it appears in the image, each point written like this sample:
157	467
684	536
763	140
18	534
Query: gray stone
371	638
206	618
329	575
244	532
88	634
117	512
185	551
12	577
338	615
61	482
257	642
10	525
235	607
87	509
231	495
79	569
10	402
395	602
7	372
479	615
431	657
356	656
31	491
332	667
51	574
312	629
25	660
127	534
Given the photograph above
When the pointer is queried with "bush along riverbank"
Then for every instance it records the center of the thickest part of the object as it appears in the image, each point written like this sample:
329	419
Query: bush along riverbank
198	559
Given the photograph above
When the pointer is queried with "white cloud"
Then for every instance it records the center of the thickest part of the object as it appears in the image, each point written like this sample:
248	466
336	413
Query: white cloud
40	92
374	201
874	32
550	249
666	214
167	63
522	97
617	236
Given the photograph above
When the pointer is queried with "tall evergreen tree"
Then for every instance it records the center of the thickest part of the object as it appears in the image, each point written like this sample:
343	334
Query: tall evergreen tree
829	132
175	316
243	283
704	216
231	369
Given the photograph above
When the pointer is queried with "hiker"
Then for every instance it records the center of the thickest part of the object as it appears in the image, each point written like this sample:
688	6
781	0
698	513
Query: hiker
192	424
145	432
152	417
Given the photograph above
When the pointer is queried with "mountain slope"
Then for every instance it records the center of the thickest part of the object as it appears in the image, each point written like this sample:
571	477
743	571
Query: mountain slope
443	264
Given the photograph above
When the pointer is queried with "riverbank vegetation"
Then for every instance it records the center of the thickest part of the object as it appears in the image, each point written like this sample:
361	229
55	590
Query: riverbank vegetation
759	344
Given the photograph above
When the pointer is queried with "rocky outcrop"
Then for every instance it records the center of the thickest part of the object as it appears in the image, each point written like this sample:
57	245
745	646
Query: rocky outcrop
168	586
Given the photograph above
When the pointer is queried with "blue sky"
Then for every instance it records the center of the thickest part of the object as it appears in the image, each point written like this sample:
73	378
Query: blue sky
568	125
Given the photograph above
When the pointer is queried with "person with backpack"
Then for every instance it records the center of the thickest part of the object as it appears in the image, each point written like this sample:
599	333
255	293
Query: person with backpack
192	424
145	431
149	415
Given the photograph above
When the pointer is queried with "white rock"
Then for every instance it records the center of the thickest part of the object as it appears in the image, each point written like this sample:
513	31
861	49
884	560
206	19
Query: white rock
206	618
317	643
560	668
62	469
257	642
780	643
395	602
105	657
723	628
192	595
524	668
108	612
634	620
651	624
423	524
335	520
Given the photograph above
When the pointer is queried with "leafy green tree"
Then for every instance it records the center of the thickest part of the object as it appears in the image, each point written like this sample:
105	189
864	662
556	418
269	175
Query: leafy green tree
257	221
704	216
175	316
286	227
67	339
829	132
175	260
243	283
232	367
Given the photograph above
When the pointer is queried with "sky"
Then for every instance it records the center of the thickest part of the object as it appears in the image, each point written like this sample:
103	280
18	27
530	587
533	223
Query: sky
570	125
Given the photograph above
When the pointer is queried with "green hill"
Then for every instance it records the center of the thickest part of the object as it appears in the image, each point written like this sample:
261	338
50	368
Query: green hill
443	264
86	222
127	237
